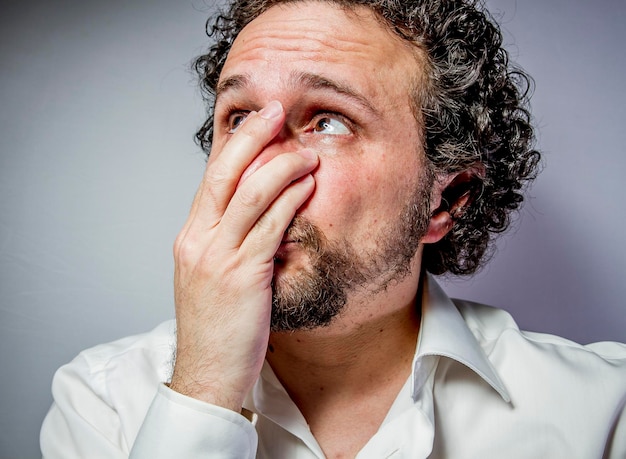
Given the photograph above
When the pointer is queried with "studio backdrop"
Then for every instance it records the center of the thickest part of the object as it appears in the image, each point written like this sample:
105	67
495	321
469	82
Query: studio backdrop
98	168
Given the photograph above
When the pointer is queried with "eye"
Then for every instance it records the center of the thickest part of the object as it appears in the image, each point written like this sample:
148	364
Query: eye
330	126
235	120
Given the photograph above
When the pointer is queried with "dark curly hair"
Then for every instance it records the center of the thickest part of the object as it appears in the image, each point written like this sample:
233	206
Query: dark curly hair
471	104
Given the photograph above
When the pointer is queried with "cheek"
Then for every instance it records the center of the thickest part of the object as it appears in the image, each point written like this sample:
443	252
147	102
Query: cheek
354	197
339	196
359	192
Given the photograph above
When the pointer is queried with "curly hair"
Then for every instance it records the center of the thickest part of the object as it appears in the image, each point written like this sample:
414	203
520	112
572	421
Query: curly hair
471	104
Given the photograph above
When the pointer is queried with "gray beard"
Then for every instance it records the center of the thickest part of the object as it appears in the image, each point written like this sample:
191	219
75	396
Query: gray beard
313	297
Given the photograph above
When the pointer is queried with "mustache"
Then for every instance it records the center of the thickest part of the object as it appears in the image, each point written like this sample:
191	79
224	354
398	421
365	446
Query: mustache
306	234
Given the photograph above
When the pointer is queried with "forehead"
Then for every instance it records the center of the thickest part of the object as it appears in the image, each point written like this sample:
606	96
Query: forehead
323	38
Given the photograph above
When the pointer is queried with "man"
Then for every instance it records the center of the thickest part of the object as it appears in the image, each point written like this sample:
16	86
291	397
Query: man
356	146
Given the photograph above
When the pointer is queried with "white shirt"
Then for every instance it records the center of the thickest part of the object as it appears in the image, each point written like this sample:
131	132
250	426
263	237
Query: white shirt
480	388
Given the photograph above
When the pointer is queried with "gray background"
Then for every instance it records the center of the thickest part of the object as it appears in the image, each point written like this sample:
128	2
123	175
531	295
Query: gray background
98	168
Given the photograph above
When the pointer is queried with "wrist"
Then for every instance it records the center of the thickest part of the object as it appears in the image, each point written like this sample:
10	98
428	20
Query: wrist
209	391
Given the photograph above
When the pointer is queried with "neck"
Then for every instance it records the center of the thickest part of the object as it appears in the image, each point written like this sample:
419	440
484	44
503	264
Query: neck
368	348
345	377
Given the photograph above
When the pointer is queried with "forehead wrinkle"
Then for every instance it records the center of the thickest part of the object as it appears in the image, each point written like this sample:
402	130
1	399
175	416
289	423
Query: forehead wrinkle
311	39
275	41
304	45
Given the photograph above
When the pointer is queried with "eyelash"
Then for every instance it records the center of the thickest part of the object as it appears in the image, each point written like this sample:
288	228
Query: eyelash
329	114
313	119
232	113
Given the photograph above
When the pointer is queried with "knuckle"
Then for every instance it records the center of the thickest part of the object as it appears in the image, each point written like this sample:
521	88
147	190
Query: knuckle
268	223
178	242
251	196
218	173
185	250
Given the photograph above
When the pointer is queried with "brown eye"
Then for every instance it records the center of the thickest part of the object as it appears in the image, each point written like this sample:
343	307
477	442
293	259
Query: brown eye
330	126
235	120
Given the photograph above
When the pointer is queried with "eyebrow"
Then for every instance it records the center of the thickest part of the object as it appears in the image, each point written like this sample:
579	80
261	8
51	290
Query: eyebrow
299	80
230	83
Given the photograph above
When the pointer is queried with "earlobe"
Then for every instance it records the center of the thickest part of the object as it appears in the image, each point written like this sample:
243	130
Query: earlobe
454	195
439	225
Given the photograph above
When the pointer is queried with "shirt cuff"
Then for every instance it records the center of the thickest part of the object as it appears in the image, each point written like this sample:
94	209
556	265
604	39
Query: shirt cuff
181	426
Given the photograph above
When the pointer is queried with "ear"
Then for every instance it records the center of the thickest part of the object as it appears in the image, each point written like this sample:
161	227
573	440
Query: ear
451	195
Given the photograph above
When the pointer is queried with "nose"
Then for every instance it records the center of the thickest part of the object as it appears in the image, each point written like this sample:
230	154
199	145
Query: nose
284	142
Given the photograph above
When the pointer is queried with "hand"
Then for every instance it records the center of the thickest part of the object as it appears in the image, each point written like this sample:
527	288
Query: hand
224	261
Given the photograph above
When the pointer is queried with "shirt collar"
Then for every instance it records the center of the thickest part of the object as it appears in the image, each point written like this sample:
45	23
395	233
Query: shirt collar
443	332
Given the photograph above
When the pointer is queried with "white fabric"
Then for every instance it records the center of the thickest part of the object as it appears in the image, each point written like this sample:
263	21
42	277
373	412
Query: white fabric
480	388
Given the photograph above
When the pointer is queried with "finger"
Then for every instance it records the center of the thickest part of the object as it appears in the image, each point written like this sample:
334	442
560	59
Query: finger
193	212
257	193
264	238
225	167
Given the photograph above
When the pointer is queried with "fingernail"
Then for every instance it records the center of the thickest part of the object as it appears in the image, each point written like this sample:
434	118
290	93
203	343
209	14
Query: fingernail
308	178
271	110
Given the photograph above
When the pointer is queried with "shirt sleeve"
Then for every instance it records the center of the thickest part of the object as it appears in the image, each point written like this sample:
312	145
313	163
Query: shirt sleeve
180	426
91	419
80	422
616	445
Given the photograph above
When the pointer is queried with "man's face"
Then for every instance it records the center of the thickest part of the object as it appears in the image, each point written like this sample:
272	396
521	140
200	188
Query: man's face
345	83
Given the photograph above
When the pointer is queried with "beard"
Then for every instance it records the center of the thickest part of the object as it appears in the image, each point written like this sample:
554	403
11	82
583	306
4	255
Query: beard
314	296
